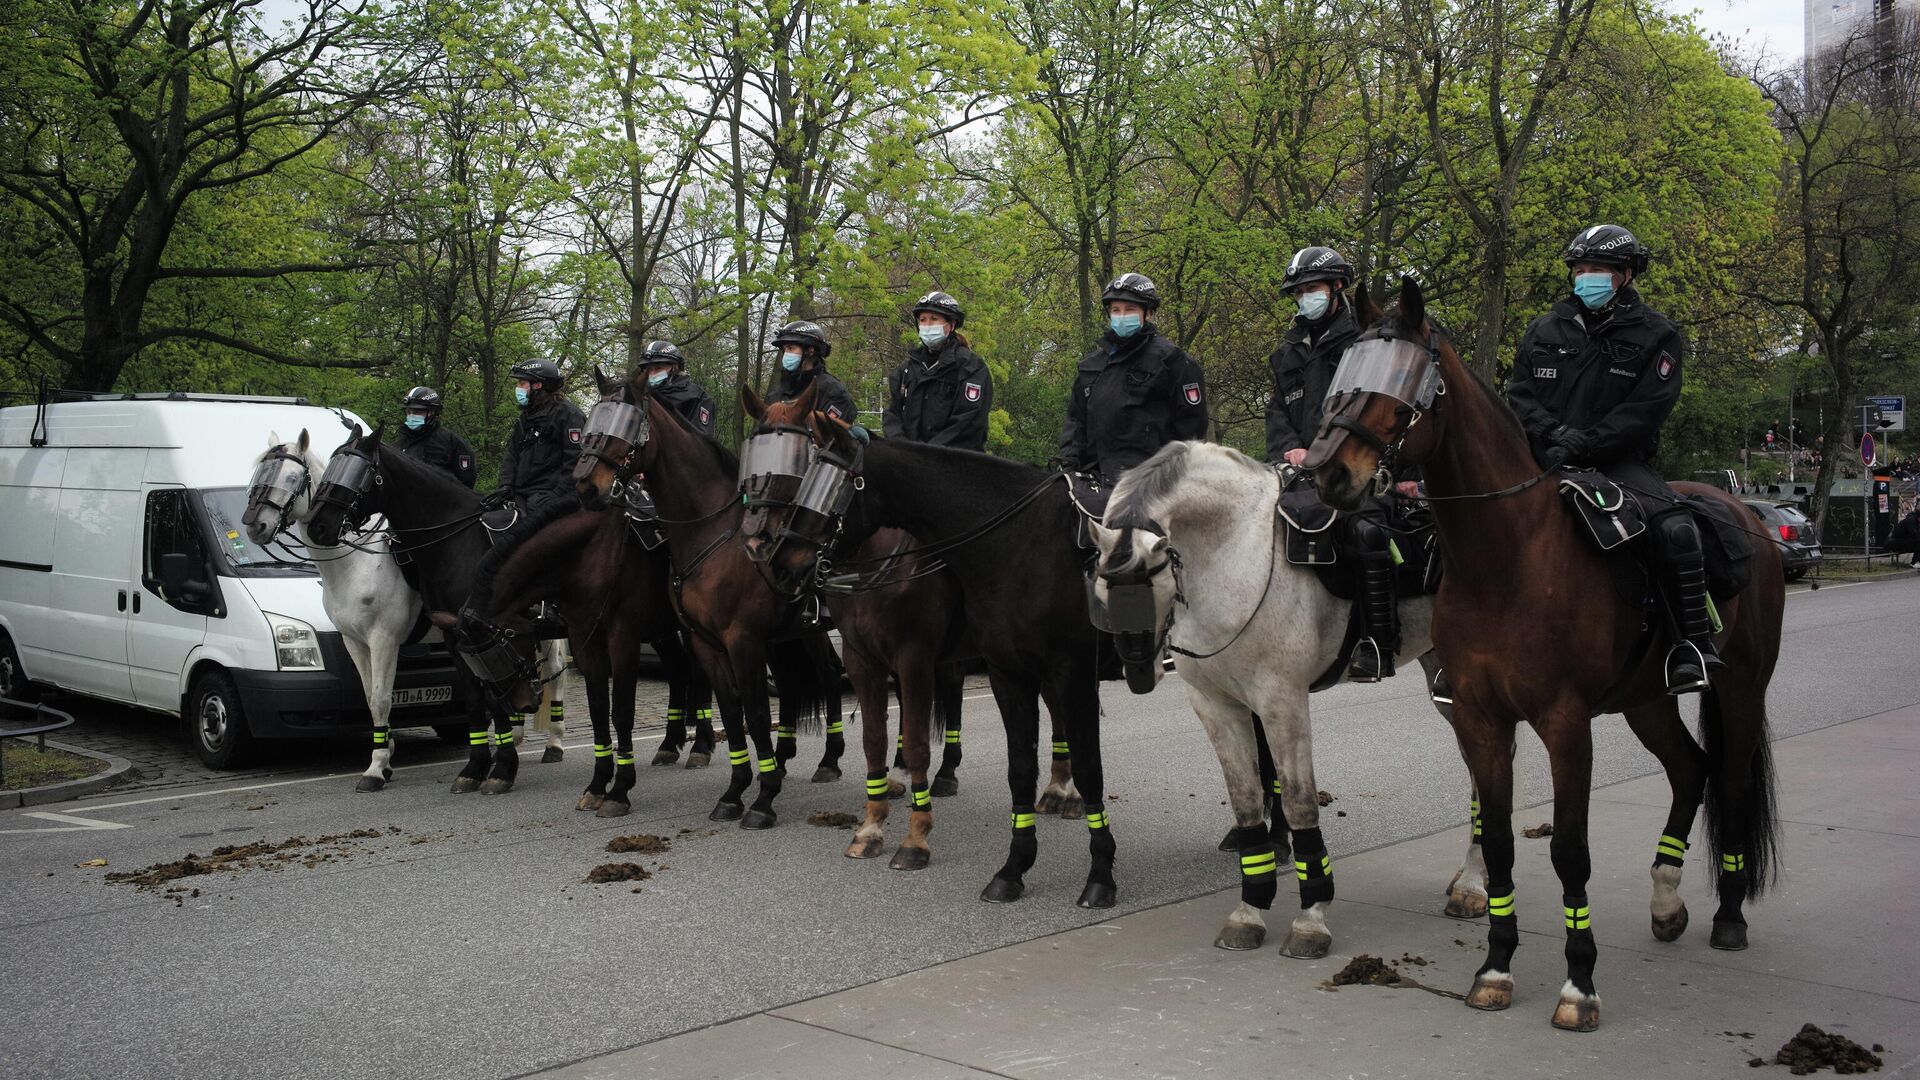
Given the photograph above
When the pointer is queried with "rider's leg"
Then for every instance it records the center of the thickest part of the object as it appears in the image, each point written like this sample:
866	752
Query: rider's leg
1373	656
1693	659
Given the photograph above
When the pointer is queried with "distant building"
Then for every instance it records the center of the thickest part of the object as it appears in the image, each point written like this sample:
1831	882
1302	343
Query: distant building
1830	21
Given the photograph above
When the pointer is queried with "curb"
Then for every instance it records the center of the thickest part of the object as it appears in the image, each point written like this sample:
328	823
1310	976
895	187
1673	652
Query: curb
71	789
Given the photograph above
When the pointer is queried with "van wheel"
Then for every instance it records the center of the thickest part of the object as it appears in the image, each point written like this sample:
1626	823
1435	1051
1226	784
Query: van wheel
13	679
216	723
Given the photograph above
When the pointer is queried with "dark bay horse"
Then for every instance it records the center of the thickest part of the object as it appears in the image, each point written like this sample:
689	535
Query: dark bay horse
436	524
612	592
739	627
1531	628
1006	532
901	621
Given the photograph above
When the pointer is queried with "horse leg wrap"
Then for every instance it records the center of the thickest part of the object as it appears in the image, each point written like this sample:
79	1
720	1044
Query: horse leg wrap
877	784
1672	850
557	712
1313	867
922	796
1259	876
836	727
1581	950
380	736
1060	750
1024	847
1732	887
1479	824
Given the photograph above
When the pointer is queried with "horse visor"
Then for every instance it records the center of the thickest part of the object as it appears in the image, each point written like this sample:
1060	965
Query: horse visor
828	488
348	476
782	452
1402	370
614	420
276	482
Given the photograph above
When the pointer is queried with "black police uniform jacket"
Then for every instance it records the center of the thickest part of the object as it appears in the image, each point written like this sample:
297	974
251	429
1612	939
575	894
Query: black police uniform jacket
940	396
832	397
1613	374
688	400
440	448
541	451
1131	396
1303	368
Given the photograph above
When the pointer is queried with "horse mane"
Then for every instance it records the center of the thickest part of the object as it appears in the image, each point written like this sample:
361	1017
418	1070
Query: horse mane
419	472
1142	487
1497	399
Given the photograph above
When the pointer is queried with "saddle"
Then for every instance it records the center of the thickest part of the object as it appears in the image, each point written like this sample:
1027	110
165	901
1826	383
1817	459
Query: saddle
1611	516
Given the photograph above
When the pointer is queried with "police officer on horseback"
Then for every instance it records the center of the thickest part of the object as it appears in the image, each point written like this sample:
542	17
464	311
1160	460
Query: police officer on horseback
1134	393
545	441
803	350
943	393
425	438
667	381
1594	380
1317	278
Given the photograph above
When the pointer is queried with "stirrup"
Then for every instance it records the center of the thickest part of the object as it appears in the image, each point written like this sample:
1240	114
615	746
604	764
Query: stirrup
1357	668
1438	690
1691	685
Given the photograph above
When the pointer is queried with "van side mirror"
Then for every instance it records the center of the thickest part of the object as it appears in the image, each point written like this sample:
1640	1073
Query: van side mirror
176	576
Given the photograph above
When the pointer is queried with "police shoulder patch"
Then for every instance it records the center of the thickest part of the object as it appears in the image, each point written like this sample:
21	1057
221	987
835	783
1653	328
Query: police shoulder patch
1192	391
833	411
973	391
706	414
573	434
466	462
1666	365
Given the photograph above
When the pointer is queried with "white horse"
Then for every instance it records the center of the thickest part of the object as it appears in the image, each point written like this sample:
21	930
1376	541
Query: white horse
365	596
1207	514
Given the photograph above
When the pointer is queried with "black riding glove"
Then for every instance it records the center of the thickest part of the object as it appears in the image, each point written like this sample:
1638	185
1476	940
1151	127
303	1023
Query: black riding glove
1577	443
1555	457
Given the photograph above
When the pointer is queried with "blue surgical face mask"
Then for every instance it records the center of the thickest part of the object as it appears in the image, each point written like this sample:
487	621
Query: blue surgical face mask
415	423
1124	326
1314	304
1594	290
933	335
520	395
658	377
790	361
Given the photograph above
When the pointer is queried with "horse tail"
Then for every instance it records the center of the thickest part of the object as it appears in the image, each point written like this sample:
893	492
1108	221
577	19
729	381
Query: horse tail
808	682
1741	811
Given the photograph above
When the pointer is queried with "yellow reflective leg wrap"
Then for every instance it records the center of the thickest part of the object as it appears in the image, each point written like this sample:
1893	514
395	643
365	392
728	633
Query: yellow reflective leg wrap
835	727
1303	870
953	736
675	714
1266	862
1096	819
505	738
705	714
1733	863
379	736
1672	850
768	764
922	799
1059	748
876	787
1500	906
518	718
900	741
1023	819
1476	818
623	759
738	757
1578	918
601	750
476	738
786	731
557	710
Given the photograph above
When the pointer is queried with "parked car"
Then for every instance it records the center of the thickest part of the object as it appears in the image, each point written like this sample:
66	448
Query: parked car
1790	529
126	575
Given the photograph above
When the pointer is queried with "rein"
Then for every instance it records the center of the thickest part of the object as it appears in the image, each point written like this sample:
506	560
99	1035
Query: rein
960	540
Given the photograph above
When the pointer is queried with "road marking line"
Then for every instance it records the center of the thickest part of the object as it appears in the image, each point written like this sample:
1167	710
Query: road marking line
74	823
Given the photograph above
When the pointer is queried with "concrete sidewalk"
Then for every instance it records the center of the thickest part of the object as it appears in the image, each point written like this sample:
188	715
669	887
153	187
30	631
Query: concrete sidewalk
1148	996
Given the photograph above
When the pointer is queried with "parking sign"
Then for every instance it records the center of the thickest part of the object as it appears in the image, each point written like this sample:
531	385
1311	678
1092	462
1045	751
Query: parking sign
1893	410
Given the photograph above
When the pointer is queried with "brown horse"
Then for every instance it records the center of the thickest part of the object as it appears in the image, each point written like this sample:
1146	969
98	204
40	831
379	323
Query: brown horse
740	627
1530	627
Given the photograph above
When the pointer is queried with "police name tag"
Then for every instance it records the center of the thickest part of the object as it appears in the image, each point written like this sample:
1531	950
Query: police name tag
1546	373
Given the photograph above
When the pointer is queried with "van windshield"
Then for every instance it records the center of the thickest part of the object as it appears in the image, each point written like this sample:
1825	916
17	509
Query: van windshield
239	555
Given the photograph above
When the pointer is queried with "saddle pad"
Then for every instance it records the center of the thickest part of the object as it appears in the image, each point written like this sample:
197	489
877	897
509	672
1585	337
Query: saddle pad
1726	543
1611	514
499	521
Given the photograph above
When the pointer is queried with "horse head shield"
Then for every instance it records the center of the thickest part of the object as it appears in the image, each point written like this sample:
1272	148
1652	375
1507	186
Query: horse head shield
615	430
1123	603
775	467
348	478
278	480
1393	366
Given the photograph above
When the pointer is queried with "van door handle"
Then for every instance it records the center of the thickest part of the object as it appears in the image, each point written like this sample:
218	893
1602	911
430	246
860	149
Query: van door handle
136	602
123	599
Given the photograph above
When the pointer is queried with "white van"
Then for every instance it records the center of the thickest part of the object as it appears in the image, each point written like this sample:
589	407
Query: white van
125	573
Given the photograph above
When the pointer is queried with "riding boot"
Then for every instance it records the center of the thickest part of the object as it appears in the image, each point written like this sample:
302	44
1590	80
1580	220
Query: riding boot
1690	662
1373	655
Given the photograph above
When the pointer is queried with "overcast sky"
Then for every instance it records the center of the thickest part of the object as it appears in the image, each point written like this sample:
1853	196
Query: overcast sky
1777	25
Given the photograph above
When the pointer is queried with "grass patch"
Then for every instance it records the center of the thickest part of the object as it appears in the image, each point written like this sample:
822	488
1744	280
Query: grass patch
26	765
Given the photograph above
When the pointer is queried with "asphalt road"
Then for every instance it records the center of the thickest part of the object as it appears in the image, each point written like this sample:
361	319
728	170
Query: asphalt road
460	939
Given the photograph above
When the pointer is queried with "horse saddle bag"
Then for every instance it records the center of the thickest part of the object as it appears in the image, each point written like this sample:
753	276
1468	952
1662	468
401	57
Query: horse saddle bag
1308	525
643	519
1610	514
1089	497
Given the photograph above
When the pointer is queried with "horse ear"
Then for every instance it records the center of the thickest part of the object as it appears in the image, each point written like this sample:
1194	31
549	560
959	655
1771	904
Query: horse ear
1157	545
375	437
273	439
1413	304
1102	536
606	385
808	396
303	440
1370	312
755	405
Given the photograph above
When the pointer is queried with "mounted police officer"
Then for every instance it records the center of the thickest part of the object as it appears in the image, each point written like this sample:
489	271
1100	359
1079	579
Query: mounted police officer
1594	380
425	438
803	350
1134	393
545	441
943	393
1317	278
667	380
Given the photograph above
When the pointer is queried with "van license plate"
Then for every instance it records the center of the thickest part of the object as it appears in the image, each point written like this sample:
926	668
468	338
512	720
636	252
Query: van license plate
423	695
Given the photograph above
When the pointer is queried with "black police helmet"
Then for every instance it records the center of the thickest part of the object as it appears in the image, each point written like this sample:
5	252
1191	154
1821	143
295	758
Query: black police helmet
543	372
1608	245
1134	288
1311	264
663	352
803	333
941	304
421	397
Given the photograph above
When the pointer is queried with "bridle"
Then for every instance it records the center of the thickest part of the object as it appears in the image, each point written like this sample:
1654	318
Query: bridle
269	488
1128	611
775	464
815	515
1418	395
613	424
349	477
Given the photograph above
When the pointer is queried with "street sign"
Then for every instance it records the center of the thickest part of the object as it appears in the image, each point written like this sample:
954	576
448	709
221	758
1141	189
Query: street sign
1893	412
1866	448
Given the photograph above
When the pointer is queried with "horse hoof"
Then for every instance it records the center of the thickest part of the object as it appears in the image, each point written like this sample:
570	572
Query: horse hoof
866	847
665	757
759	819
911	858
552	754
944	786
611	807
1730	936
825	774
1466	905
698	760
1049	803
370	783
465	784
1002	891
1072	808
1241	937
726	811
496	786
1306	946
1096	894
1580	1013
589	801
1670	927
1243	836
1490	993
